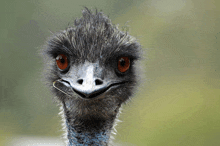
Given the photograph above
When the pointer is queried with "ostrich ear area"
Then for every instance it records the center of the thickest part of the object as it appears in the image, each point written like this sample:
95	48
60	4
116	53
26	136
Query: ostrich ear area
63	87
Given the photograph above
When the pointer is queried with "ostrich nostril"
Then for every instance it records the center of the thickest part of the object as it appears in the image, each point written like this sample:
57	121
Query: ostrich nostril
98	82
80	81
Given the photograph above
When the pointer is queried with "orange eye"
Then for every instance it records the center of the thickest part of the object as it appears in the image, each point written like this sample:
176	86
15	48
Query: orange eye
123	64
62	61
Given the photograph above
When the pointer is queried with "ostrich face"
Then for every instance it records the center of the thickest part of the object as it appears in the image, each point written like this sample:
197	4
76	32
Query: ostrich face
89	80
92	65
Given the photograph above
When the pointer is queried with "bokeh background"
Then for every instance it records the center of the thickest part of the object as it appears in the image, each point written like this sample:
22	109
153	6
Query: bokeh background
179	100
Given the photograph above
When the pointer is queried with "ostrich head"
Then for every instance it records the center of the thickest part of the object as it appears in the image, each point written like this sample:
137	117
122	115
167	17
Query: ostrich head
92	71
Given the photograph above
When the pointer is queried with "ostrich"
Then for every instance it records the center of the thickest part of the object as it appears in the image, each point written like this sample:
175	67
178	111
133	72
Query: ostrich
92	71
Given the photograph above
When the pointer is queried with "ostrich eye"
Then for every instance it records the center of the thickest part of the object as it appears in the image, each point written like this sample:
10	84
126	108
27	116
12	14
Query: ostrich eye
62	61
123	64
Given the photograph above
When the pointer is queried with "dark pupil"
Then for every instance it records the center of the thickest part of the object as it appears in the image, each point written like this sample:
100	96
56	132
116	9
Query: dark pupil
62	60
122	63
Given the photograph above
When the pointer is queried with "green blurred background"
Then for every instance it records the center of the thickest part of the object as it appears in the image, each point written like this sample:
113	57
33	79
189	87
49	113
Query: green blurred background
178	103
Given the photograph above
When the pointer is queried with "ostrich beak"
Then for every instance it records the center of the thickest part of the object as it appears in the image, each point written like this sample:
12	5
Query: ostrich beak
89	85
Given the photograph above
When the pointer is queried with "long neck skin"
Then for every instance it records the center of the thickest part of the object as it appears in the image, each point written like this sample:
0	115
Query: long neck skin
77	138
88	130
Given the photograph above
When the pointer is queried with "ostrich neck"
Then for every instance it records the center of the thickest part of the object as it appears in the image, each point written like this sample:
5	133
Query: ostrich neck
87	138
87	130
